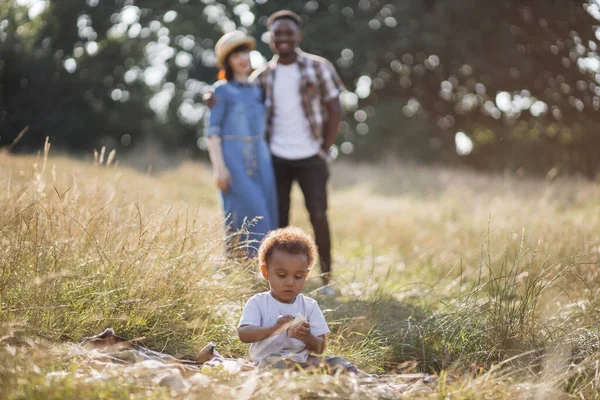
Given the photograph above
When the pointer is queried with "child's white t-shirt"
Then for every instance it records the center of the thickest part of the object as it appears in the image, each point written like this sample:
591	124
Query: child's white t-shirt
263	310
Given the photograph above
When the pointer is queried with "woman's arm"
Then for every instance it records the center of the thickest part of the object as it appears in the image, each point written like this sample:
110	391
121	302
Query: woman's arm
214	132
220	170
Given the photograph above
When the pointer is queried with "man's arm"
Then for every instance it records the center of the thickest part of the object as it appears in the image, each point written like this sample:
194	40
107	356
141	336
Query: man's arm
259	78
330	128
209	99
331	87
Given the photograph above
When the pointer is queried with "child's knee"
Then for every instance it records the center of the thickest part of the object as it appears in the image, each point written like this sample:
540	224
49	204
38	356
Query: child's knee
339	363
336	362
273	362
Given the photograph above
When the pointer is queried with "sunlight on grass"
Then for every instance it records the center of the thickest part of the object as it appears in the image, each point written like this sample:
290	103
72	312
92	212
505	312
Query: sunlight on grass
486	282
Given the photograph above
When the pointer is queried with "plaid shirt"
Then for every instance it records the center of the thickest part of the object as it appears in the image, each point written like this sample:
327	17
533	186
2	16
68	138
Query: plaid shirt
319	84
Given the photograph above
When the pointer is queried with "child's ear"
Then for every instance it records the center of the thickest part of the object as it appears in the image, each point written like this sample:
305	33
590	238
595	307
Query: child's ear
264	271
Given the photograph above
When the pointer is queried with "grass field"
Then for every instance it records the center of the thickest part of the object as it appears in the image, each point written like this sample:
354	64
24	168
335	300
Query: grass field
487	282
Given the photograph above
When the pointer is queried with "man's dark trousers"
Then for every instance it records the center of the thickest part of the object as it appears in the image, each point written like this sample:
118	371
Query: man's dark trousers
312	175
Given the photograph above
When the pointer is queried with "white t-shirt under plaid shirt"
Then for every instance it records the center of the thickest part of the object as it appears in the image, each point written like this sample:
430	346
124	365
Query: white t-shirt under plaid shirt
319	84
291	135
263	310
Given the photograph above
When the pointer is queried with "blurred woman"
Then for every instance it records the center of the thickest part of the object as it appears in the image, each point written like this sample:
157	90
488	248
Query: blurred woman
238	148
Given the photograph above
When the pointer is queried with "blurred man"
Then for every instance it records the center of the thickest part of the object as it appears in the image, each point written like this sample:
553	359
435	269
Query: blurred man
303	113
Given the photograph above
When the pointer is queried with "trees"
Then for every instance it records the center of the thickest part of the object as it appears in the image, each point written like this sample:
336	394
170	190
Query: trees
93	73
517	77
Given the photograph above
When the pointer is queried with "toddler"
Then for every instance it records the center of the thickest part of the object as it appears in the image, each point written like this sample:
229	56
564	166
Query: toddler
284	327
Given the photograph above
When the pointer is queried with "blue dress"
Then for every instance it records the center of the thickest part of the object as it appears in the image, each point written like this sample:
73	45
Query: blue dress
251	201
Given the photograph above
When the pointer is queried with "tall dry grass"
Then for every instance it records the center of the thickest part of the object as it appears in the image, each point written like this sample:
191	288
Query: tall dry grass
91	246
487	281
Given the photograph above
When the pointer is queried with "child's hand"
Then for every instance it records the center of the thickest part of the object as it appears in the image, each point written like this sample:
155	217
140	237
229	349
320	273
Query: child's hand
299	331
282	322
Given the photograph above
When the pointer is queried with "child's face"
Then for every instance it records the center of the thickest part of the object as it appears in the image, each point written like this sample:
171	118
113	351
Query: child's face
286	274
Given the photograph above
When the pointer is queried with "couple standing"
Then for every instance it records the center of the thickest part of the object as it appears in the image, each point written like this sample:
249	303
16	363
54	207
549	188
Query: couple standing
271	128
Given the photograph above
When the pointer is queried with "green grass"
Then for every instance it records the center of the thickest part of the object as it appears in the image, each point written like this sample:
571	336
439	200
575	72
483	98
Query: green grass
488	282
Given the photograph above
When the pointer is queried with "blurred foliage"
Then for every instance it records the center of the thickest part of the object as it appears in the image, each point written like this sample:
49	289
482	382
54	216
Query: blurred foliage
518	78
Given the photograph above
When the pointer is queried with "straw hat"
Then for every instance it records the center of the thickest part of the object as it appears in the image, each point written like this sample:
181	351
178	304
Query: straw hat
229	42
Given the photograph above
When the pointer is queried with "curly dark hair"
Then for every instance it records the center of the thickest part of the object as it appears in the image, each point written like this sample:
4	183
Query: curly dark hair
292	240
